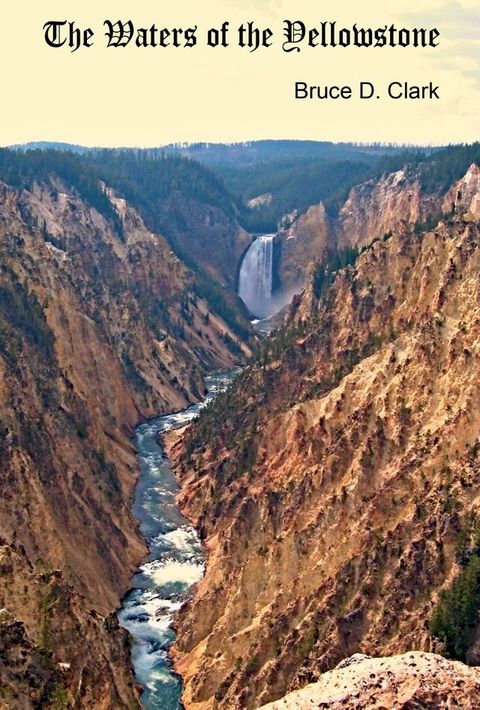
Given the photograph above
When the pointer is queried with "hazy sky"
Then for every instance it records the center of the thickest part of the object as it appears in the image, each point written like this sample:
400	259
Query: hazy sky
154	96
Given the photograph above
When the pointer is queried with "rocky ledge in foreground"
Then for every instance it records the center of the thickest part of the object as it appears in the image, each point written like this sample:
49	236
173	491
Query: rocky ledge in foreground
411	680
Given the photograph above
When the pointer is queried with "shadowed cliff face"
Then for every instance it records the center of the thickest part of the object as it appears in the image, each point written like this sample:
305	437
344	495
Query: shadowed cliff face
207	235
332	484
99	328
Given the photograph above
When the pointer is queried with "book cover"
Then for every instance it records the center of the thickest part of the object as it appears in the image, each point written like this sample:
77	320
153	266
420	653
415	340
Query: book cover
239	355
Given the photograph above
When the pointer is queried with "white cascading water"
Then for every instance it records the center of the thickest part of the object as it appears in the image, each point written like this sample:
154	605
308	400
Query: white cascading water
255	280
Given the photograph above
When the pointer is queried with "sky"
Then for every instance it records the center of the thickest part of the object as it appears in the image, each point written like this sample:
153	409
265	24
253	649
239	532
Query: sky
154	96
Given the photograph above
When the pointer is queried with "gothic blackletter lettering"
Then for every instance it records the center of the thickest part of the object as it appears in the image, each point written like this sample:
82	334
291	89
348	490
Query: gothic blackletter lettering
118	34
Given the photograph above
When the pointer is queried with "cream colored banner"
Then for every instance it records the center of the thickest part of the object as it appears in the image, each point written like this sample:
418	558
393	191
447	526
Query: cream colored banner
152	96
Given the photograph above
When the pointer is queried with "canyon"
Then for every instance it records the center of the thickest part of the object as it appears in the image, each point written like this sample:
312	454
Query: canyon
100	327
333	485
333	482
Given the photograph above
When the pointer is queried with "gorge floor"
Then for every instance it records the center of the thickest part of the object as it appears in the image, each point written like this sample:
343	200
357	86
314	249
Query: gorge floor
174	562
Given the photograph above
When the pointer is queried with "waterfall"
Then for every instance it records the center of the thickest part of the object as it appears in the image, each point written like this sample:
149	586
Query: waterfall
255	280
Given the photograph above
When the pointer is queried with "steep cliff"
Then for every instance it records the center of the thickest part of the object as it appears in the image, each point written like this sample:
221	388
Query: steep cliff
100	326
184	201
372	209
334	481
53	646
206	235
301	246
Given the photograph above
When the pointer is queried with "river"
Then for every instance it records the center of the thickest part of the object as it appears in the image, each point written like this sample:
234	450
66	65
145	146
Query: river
175	560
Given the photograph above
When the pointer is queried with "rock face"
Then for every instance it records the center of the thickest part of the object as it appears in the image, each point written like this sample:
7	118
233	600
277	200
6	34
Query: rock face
332	485
371	210
301	246
464	196
99	328
206	235
380	206
421	680
59	644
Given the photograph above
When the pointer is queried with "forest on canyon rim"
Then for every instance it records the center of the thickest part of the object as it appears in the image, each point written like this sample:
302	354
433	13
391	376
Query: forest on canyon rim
334	485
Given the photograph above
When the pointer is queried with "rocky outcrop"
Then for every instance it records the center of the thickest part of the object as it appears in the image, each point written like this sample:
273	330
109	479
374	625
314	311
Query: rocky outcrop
100	327
381	206
301	247
332	484
260	200
371	210
416	679
464	197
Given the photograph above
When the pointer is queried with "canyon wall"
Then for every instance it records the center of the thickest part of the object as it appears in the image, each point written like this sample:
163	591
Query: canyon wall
372	209
100	327
333	482
206	235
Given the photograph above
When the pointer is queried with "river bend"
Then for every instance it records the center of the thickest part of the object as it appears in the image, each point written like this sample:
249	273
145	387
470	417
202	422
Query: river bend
175	560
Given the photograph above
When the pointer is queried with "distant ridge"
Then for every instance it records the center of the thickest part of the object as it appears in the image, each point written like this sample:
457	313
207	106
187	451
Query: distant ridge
50	145
267	149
